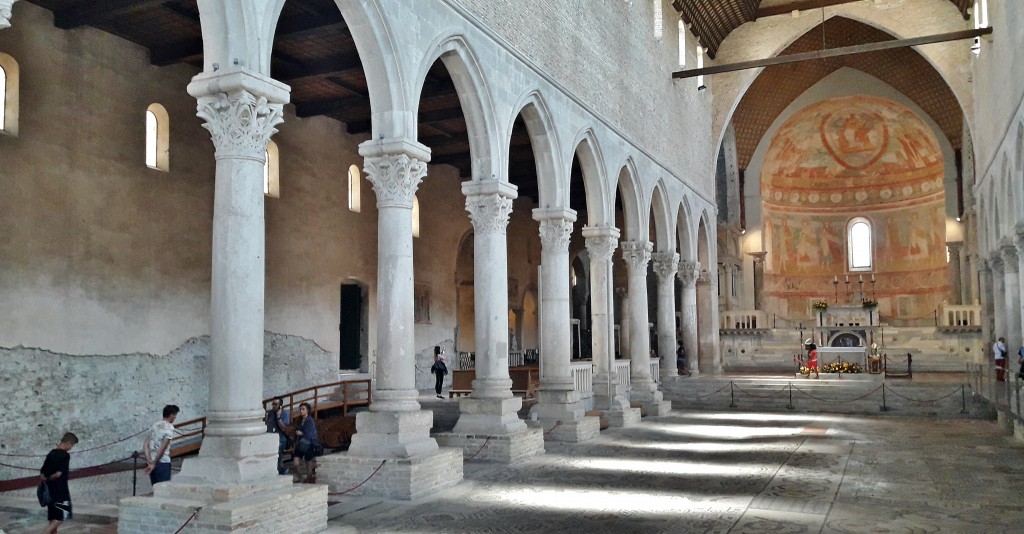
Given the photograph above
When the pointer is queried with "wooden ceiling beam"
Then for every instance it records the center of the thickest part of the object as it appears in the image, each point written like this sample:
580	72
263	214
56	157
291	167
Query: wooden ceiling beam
90	13
803	5
833	52
355	107
329	65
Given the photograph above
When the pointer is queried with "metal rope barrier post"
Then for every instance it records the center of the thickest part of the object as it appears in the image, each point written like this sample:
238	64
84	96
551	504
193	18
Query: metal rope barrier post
732	396
790	406
963	399
135	472
884	408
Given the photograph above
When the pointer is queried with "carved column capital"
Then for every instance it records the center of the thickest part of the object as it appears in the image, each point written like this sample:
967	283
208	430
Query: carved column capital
395	178
1018	239
5	13
601	242
489	213
555	235
758	258
688	273
240	123
666	264
995	262
637	254
1009	256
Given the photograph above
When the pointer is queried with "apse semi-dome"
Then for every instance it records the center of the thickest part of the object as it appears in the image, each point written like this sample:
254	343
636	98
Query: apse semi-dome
852	151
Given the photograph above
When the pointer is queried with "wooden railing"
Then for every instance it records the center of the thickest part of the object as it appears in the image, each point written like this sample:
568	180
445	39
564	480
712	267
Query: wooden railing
343	394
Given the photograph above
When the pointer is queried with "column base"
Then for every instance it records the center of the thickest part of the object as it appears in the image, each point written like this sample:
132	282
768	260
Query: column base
584	429
656	408
393	435
397	478
506	449
227	460
558	405
645	393
274	505
622	418
490	417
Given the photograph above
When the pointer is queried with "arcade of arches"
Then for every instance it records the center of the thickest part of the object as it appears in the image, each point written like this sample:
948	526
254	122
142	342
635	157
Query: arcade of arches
535	190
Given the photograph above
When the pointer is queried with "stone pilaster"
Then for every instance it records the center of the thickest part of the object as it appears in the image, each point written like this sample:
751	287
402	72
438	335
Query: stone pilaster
395	428
558	409
758	279
666	265
1011	290
689	271
609	395
729	270
987	301
637	255
6	7
953	271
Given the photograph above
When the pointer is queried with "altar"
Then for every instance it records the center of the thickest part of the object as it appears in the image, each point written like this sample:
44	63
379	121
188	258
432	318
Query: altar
845	332
858	355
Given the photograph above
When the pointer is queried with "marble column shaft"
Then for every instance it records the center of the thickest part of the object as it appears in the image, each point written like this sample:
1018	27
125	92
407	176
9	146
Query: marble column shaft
1019	242
985	286
759	280
998	295
953	266
728	270
1011	292
637	255
689	271
241	110
666	265
556	328
601	242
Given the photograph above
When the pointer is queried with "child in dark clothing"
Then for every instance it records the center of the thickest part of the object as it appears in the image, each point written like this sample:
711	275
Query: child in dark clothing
55	474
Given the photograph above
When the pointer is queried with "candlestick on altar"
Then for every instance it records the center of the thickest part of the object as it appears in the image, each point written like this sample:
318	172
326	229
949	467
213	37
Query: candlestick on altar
873	287
835	287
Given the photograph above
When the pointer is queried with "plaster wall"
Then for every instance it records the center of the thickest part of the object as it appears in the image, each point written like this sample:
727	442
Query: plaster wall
998	86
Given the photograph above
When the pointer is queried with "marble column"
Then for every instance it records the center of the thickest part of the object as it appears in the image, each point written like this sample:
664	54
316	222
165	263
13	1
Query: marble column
1019	242
966	275
620	304
998	295
759	280
953	271
666	264
1011	292
987	301
609	395
729	270
6	7
637	255
559	407
394	428
689	271
489	204
241	109
976	292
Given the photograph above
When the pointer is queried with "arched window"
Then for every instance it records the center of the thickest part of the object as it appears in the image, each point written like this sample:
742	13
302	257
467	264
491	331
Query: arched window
415	216
8	94
682	43
272	172
980	15
157	137
700	65
858	238
354	194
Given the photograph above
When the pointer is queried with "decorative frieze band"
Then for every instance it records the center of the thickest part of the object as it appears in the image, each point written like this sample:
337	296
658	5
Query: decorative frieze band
688	273
666	264
240	123
395	178
637	254
555	235
489	213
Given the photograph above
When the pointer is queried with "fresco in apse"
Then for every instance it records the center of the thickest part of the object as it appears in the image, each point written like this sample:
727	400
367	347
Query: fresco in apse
856	156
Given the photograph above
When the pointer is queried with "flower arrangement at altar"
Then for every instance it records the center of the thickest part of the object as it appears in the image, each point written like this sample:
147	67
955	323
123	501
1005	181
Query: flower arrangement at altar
869	303
842	367
820	305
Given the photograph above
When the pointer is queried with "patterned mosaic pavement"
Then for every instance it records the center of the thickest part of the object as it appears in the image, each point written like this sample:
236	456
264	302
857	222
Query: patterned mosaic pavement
736	472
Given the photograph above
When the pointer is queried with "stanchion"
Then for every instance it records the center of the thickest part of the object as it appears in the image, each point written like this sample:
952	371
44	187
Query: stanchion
884	408
963	399
790	406
732	396
135	472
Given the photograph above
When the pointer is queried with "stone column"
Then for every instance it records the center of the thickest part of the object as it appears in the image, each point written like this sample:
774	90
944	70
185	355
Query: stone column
1019	242
395	428
666	264
759	280
609	396
241	110
987	300
953	271
492	409
689	271
637	255
559	408
966	275
1011	292
976	265
995	262
729	271
6	7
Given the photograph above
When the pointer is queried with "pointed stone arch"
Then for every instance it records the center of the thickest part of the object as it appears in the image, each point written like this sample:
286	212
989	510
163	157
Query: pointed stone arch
634	217
588	151
661	216
543	141
684	231
474	98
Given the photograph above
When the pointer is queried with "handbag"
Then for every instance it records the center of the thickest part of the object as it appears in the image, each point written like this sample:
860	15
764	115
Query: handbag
302	446
43	494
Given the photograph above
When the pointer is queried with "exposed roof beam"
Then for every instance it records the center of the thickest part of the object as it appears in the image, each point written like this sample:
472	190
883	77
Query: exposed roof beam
833	52
93	12
803	5
338	63
356	107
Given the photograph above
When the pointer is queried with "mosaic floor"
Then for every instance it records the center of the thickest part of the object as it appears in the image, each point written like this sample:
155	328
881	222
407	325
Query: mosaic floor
719	472
738	472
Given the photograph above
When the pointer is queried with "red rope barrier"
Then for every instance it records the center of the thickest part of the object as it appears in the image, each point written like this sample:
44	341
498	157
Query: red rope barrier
699	397
79	451
363	482
747	393
189	520
470	459
557	424
866	395
923	401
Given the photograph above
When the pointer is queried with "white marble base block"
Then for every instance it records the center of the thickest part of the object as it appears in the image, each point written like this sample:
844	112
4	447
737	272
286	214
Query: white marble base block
490	417
560	414
407	479
622	418
507	449
272	505
657	408
579	431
